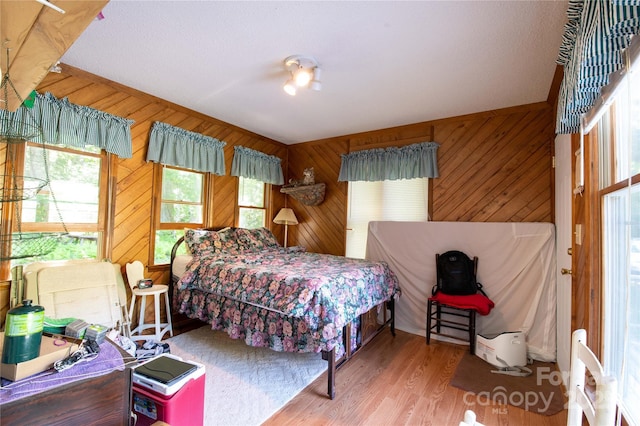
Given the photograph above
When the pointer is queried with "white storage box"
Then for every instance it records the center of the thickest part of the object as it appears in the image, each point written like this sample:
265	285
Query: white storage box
504	350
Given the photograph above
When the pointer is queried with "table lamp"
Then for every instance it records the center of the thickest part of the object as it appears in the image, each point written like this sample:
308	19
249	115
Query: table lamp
285	217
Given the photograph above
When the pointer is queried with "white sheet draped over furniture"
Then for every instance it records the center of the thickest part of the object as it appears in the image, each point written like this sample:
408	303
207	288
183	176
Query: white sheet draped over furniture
516	267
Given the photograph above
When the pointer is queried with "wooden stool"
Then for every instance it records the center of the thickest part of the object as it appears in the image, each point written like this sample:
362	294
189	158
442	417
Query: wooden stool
135	273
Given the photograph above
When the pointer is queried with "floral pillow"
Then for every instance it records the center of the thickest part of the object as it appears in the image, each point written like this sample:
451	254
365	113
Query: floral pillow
256	239
202	241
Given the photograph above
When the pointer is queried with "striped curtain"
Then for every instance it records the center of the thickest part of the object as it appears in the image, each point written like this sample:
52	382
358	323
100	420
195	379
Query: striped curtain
595	36
64	123
174	146
256	165
412	161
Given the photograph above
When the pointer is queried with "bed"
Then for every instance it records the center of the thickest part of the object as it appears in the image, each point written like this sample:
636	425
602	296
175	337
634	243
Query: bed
243	282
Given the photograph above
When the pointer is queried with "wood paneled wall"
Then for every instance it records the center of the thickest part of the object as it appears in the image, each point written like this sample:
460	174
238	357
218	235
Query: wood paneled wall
494	166
135	177
321	228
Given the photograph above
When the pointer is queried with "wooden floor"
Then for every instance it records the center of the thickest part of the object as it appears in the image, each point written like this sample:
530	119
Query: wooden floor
400	381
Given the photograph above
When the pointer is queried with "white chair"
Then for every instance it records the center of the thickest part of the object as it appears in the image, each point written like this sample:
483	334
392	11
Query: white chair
470	419
90	290
135	273
602	410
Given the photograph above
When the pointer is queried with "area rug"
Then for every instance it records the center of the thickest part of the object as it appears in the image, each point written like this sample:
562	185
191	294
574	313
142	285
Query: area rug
244	385
541	392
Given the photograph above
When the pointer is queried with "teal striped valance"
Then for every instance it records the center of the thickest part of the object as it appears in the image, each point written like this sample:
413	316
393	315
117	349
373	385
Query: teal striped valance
412	161
595	36
64	123
179	147
256	165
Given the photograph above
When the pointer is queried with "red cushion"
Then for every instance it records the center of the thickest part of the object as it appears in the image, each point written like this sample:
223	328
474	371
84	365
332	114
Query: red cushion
479	302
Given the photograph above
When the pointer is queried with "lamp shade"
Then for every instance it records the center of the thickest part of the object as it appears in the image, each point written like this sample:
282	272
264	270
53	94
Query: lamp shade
285	217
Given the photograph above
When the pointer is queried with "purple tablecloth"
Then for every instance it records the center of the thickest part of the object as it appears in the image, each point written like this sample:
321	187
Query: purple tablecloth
108	360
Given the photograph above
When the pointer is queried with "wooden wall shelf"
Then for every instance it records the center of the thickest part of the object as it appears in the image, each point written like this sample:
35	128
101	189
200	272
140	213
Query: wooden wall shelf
309	195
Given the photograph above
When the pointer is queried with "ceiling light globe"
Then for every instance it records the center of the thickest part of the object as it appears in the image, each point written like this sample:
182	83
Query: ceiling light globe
290	87
302	77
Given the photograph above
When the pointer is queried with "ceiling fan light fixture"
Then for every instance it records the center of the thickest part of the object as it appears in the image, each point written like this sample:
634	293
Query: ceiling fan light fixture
304	72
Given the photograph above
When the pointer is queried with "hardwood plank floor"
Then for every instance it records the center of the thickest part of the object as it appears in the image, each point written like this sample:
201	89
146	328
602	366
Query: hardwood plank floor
400	381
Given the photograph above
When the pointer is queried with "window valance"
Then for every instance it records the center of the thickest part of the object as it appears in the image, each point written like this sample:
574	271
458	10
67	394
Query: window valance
64	123
412	161
174	146
596	34
257	165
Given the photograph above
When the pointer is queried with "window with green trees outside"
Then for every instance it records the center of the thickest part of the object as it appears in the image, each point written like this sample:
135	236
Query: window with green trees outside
251	203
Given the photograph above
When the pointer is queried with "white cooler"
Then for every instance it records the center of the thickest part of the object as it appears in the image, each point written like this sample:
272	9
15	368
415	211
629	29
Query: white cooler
168	389
503	350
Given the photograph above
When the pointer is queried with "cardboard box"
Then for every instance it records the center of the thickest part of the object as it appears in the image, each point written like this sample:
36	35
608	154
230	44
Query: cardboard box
51	350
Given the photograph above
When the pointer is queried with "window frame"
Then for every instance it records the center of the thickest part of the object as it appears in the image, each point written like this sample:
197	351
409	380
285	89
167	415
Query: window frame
71	226
266	189
158	225
14	163
608	163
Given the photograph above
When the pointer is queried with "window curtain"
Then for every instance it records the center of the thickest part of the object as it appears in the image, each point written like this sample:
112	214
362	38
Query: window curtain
64	123
412	161
256	165
596	34
174	146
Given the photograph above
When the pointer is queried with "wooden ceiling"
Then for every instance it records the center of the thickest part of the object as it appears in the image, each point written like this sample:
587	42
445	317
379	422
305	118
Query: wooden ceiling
36	36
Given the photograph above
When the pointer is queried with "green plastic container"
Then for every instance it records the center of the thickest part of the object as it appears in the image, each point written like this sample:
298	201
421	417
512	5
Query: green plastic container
23	333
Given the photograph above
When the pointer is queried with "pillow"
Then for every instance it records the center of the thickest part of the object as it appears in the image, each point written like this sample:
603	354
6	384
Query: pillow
256	239
187	247
198	241
229	242
203	241
266	237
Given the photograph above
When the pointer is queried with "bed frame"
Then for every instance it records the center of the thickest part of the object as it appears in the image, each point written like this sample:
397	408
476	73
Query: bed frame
369	327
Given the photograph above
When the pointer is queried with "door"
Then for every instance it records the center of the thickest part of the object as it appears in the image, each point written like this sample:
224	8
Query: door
564	159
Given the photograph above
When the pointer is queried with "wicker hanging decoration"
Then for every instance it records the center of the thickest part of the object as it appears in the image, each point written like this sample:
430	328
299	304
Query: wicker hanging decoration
18	188
19	244
15	127
27	245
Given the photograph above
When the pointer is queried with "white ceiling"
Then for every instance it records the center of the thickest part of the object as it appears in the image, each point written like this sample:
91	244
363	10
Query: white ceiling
385	63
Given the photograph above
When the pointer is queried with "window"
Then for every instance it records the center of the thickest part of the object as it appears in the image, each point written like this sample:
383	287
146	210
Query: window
251	203
618	135
181	206
70	202
397	200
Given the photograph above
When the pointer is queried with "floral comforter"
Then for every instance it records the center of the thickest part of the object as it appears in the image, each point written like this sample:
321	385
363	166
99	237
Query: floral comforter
281	298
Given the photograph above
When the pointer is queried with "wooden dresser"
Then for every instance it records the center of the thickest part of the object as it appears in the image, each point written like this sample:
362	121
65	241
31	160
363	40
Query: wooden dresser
103	400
